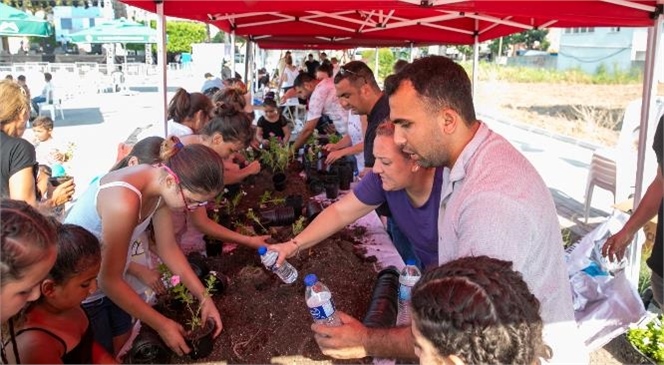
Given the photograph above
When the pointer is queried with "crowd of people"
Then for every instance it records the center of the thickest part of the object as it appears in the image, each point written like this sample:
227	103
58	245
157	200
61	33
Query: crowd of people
456	197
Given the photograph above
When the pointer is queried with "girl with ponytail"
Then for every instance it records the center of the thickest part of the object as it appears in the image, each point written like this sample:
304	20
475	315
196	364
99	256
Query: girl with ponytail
117	208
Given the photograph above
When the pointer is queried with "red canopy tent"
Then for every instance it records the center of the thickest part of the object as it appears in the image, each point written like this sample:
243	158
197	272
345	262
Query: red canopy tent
347	24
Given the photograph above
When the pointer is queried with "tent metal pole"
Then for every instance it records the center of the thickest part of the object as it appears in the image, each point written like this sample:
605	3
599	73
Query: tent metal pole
476	56
652	50
232	60
161	62
376	64
412	56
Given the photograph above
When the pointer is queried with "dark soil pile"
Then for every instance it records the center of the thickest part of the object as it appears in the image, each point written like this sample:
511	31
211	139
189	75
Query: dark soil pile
267	321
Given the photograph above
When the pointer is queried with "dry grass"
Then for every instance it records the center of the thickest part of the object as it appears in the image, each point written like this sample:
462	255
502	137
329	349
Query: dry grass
584	111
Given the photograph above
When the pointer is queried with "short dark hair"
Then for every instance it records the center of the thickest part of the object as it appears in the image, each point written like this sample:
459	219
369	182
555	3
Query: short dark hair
441	82
327	68
43	121
356	72
48	76
481	310
301	79
21	78
78	250
399	65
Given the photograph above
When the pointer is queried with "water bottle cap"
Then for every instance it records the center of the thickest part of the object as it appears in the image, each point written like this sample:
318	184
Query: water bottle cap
310	280
57	170
411	262
262	250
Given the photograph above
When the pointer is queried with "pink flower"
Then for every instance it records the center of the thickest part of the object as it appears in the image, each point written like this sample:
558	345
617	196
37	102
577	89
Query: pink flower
175	280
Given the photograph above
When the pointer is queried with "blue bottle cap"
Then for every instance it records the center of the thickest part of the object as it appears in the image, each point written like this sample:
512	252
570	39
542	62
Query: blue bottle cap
310	280
262	250
411	262
57	170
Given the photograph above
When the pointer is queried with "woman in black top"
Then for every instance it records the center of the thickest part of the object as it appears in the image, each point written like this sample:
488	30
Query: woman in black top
272	123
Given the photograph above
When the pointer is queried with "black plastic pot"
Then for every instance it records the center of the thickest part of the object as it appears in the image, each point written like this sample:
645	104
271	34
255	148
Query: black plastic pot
345	175
315	186
332	187
226	220
384	306
198	265
279	216
233	189
279	181
221	284
295	201
55	181
213	247
313	209
201	343
148	348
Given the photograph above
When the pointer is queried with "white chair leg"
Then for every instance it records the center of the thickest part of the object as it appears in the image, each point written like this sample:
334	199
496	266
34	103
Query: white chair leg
589	198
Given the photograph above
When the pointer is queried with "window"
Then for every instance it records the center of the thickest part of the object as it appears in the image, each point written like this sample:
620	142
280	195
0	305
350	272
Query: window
65	23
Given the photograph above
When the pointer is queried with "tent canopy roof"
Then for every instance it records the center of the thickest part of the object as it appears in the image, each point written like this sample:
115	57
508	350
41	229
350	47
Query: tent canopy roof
14	22
347	24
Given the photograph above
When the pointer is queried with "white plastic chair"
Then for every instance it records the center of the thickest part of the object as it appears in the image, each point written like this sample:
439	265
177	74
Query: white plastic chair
614	169
52	105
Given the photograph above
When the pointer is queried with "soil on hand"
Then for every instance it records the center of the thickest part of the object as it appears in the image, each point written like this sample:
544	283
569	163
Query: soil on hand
267	321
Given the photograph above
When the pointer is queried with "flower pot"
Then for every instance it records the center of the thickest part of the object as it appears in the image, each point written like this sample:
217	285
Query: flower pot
384	307
148	348
55	181
332	187
345	176
233	189
198	265
279	216
279	181
315	186
221	284
295	201
313	209
213	247
200	340
226	220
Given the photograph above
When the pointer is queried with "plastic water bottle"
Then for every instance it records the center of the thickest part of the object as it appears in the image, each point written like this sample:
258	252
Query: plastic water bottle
407	279
319	301
285	272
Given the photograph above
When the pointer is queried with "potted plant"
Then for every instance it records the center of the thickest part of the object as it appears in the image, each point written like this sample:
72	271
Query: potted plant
276	156
199	333
259	224
648	339
267	198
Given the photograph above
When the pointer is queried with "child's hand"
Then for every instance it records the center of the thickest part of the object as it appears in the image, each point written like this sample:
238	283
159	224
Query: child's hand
151	278
253	168
57	156
63	193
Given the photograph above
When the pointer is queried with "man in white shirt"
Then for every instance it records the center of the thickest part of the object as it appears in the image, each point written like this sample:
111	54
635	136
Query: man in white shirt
46	94
323	101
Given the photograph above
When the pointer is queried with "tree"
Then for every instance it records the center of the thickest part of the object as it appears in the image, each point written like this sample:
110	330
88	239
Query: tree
530	38
386	60
181	35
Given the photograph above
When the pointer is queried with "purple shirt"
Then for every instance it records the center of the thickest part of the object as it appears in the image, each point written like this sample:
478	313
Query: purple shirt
420	225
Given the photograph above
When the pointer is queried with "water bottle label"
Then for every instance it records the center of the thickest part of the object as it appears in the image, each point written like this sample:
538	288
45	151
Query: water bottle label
404	293
322	312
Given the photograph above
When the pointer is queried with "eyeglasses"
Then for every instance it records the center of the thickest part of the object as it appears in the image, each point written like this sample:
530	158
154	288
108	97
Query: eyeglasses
351	74
189	206
273	111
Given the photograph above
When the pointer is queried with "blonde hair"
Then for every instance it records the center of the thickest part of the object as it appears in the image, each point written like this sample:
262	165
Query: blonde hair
13	101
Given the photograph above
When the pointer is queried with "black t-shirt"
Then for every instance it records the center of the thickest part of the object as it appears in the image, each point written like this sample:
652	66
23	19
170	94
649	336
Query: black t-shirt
275	128
15	155
378	114
655	261
311	67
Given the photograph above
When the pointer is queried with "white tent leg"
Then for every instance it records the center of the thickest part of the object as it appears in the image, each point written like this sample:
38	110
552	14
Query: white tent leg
232	60
376	64
476	57
161	61
412	55
649	72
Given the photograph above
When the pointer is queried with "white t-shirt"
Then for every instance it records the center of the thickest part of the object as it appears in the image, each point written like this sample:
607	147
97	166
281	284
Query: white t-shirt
324	100
356	135
174	129
494	203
